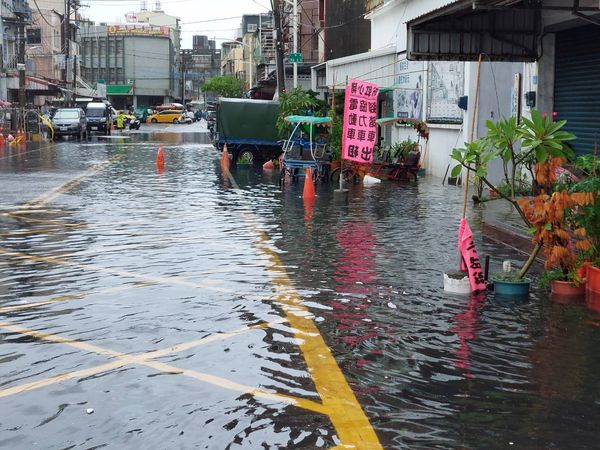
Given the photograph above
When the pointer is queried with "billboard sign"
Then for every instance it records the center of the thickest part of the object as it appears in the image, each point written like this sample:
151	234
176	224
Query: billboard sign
137	30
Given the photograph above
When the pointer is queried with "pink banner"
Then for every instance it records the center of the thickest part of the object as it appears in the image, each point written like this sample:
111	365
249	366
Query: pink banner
469	260
360	115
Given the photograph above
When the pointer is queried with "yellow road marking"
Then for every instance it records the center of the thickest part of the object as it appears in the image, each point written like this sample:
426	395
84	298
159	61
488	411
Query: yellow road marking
120	273
62	377
54	193
148	359
36	232
67	298
344	410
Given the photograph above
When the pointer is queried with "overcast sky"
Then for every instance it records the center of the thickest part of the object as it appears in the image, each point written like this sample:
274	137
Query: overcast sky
203	12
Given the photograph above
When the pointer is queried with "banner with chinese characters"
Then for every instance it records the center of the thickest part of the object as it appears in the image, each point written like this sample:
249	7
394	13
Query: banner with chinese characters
360	126
469	259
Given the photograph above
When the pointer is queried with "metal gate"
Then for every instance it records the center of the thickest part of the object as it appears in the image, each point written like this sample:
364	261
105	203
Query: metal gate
577	84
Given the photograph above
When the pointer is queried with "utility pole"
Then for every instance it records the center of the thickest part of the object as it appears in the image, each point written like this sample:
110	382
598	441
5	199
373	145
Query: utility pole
182	63
275	5
21	65
67	37
295	27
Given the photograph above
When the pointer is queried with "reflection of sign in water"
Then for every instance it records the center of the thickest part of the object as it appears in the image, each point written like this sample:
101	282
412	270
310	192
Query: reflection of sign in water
408	90
446	85
360	116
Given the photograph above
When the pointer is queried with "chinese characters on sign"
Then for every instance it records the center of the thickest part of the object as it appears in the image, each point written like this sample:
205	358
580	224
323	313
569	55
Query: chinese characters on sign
137	30
360	126
469	260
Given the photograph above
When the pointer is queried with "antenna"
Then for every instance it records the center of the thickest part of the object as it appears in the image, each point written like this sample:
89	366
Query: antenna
157	7
144	6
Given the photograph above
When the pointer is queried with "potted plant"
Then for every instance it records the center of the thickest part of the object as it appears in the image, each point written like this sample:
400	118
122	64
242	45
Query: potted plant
587	216
516	144
554	216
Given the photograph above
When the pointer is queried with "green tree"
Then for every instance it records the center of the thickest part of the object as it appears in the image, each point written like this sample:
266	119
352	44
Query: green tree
225	86
297	102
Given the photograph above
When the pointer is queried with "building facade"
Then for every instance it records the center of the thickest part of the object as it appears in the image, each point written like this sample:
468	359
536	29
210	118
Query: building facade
556	43
199	64
133	62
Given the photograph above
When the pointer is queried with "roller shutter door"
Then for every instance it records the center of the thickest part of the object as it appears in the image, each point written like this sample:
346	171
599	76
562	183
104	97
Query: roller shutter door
577	85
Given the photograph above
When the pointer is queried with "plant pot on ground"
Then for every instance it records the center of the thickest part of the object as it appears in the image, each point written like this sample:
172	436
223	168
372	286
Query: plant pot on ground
518	146
555	219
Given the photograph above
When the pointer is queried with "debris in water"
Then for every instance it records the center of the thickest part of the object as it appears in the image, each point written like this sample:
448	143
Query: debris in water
391	305
90	410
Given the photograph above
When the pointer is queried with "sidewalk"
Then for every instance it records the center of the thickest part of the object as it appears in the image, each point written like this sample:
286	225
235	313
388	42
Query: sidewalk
503	225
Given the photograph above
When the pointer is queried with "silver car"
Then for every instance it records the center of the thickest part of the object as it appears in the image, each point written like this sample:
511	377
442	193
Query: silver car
70	122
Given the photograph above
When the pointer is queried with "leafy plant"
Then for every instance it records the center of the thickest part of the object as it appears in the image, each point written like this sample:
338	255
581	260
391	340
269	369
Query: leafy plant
515	144
401	149
297	102
225	86
335	137
552	216
587	216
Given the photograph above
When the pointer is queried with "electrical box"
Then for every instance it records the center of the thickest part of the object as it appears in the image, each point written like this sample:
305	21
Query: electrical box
530	99
463	102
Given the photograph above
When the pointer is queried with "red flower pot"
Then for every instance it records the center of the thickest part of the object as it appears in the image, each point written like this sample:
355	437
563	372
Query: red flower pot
567	289
593	279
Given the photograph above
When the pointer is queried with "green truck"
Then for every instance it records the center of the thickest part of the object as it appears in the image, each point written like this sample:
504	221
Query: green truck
248	128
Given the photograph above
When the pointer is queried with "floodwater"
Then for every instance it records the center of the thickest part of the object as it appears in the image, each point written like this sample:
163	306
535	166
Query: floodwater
175	309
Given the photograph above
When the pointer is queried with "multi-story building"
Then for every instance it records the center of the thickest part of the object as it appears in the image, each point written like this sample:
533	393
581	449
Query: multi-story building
136	62
14	16
199	64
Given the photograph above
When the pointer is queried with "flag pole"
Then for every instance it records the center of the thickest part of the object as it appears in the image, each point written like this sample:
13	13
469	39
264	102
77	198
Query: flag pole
472	137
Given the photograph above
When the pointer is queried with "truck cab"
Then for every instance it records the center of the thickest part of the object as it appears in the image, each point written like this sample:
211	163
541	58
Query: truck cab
99	118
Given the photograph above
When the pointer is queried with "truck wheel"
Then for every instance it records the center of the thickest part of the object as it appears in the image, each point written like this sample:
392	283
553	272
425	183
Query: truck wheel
247	155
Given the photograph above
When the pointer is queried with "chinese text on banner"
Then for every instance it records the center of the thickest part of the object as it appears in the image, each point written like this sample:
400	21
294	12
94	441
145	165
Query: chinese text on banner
360	115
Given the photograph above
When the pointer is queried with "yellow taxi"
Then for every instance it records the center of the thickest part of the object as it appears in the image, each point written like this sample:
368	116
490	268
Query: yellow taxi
166	116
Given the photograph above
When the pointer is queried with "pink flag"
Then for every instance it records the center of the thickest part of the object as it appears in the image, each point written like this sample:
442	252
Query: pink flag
360	115
469	260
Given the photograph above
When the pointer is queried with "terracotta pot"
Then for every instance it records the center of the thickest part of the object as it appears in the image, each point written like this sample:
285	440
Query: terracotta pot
593	279
592	300
567	289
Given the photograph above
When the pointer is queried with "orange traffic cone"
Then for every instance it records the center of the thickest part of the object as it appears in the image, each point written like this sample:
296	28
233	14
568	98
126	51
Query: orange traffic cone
160	158
225	159
269	165
309	187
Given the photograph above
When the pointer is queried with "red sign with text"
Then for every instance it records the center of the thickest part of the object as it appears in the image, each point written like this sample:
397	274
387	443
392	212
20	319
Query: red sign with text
360	126
469	258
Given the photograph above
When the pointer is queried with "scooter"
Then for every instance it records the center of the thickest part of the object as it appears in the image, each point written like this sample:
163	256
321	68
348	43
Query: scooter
134	124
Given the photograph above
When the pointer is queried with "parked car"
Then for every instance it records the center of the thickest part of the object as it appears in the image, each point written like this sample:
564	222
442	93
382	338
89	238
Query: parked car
166	116
99	118
70	122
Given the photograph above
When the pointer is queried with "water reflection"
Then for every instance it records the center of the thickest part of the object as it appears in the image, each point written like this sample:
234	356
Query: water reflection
432	370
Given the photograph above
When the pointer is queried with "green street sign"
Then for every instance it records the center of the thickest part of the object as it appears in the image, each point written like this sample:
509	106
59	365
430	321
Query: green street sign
296	58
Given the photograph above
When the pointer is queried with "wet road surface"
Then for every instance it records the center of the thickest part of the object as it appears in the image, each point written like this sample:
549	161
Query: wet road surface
187	309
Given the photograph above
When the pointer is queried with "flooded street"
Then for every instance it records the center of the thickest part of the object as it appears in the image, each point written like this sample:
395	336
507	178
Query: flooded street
187	309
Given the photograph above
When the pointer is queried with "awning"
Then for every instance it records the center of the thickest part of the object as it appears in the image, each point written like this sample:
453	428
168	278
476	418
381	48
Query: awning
503	30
